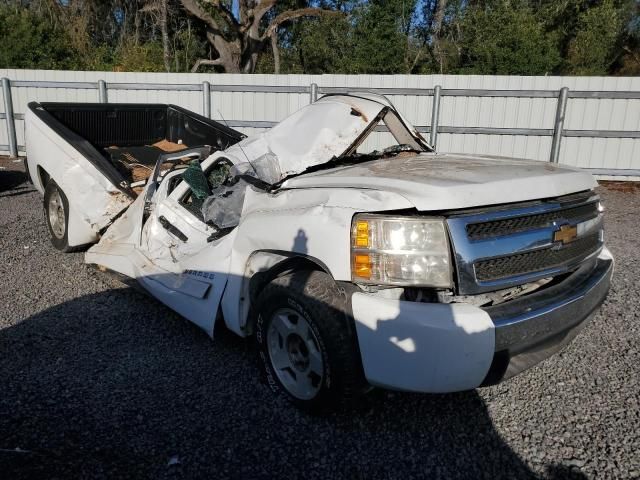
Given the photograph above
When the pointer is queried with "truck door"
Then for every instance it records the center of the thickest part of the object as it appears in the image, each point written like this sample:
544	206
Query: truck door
182	261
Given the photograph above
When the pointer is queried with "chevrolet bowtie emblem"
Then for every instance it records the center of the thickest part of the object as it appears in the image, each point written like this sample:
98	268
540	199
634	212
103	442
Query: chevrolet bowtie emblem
566	234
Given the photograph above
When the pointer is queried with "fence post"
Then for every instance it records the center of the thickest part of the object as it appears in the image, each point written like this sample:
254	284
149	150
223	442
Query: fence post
313	93
435	117
206	99
102	91
11	124
558	126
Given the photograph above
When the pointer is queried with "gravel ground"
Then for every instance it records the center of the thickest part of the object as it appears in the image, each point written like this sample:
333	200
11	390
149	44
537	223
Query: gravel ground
104	382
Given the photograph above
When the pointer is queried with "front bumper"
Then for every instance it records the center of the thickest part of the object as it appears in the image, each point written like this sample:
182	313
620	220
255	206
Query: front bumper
535	327
426	347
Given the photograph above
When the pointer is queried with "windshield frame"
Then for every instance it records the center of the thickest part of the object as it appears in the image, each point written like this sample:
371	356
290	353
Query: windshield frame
404	131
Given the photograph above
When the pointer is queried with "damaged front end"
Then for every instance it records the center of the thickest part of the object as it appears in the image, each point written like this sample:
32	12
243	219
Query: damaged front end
322	135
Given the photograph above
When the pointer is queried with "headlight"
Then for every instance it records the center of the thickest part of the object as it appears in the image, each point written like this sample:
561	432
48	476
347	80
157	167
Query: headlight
400	251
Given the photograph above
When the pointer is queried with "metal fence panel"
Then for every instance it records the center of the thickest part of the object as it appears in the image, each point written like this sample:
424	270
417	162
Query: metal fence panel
498	115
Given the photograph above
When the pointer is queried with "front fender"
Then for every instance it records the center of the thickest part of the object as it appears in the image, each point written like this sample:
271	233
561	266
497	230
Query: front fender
311	223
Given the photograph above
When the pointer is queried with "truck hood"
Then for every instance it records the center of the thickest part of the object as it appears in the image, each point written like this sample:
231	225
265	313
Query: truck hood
449	181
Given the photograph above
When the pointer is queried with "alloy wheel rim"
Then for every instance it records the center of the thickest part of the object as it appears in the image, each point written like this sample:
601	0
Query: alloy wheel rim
294	353
57	219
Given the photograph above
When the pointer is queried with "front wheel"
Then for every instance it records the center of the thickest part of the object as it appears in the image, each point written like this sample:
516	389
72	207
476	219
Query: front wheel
56	214
306	341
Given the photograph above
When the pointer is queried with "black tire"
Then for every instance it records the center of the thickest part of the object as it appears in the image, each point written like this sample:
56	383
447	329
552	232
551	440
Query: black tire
326	308
58	240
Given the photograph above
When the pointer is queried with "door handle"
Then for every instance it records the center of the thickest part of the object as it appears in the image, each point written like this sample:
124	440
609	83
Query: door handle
169	227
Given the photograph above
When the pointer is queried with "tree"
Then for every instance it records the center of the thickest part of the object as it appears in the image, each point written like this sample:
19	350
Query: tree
239	41
29	40
629	63
432	30
322	45
599	30
382	41
138	57
181	44
528	37
506	38
372	37
160	10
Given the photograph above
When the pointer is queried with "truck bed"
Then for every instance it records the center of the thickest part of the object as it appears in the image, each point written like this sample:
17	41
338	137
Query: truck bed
123	140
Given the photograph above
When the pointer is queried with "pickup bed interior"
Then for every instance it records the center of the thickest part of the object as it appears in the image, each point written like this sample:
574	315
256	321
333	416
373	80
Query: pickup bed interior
124	140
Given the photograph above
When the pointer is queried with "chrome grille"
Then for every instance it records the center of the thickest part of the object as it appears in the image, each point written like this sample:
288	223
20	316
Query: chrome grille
535	261
507	246
508	226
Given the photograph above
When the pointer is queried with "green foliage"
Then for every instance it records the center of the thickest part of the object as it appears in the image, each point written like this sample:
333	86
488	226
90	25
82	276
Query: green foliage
629	63
510	37
380	40
506	39
325	45
132	57
591	51
29	41
373	38
187	47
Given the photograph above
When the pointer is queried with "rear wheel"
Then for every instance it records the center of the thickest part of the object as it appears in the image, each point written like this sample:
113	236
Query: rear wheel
306	341
56	214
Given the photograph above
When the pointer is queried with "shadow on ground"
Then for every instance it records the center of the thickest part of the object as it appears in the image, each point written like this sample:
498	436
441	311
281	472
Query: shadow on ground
90	390
10	180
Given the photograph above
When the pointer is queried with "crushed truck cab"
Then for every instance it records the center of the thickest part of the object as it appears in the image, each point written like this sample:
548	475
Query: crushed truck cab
353	266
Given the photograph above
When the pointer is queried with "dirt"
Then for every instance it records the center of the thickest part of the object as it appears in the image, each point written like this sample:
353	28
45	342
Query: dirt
140	173
626	187
168	146
139	170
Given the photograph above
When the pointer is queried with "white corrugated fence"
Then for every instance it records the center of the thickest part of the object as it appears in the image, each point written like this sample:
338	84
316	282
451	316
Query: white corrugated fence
596	127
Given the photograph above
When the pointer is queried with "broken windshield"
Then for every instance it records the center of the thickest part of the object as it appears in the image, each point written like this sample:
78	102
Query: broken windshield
388	135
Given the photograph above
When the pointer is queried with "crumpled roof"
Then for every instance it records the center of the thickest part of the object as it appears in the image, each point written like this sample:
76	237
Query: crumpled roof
311	136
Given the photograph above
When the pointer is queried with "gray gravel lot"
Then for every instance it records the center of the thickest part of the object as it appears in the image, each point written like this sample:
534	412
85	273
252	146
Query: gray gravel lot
98	381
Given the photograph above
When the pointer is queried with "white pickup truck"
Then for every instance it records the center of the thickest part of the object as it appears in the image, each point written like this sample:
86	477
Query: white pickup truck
399	268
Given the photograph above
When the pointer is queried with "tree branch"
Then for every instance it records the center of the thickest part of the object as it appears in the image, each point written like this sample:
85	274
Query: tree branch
261	9
250	18
243	13
192	7
291	14
204	61
415	61
225	12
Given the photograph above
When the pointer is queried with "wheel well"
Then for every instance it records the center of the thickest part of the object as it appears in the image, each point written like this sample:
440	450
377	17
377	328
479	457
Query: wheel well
43	176
288	265
261	279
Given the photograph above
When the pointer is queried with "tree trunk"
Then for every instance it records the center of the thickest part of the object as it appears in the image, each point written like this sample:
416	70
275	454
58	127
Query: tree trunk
166	52
239	40
136	22
436	29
